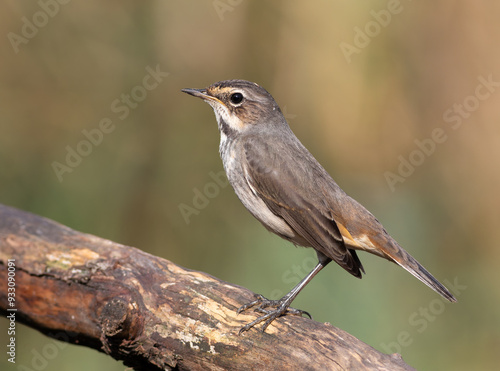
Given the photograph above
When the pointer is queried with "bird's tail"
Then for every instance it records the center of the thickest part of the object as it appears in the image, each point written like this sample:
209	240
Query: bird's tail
406	261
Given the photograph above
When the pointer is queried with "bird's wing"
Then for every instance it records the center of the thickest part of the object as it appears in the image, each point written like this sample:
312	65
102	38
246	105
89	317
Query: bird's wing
293	191
312	204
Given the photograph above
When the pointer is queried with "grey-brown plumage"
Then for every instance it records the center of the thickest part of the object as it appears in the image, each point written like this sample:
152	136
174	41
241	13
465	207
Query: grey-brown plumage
291	194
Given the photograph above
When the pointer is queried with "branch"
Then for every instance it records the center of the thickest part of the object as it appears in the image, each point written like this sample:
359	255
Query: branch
151	313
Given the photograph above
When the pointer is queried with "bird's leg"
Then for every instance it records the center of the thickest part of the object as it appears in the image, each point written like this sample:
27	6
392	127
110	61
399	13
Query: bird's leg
282	305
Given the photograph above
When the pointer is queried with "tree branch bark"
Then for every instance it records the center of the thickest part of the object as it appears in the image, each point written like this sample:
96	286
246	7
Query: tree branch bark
151	313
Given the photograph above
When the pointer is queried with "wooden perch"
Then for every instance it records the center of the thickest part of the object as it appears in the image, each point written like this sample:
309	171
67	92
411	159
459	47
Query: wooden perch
153	314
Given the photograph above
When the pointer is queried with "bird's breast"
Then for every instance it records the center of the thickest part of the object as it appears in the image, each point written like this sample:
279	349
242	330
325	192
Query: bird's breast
235	167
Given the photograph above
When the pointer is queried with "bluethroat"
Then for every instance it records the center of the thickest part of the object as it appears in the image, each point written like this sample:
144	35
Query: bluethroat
292	195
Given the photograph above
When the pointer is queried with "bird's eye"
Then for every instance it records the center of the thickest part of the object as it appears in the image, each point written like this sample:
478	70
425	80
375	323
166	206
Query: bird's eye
236	98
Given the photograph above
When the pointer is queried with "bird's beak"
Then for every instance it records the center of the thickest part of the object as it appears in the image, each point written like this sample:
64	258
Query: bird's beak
201	93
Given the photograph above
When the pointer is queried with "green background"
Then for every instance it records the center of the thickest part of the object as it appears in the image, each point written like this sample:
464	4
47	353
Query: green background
359	114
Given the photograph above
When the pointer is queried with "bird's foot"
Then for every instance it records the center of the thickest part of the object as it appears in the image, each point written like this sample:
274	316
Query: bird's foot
262	304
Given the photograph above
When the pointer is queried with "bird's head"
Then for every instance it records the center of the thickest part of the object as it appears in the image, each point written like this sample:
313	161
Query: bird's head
239	105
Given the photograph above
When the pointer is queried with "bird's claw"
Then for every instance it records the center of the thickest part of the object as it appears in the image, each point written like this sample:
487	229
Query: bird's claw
261	304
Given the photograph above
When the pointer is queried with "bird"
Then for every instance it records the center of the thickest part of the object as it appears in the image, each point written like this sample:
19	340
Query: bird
285	188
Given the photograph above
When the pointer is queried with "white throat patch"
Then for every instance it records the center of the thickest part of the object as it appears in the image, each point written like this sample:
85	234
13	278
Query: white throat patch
223	113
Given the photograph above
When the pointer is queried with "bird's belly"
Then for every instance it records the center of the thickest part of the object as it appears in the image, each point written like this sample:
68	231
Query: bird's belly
262	213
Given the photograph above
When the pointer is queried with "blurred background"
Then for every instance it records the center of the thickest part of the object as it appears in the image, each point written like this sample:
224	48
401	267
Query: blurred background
399	100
